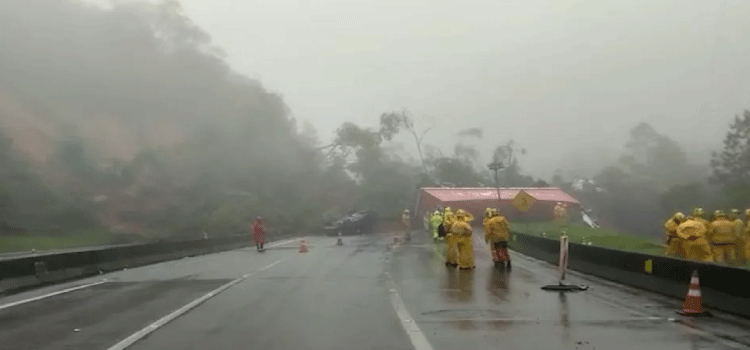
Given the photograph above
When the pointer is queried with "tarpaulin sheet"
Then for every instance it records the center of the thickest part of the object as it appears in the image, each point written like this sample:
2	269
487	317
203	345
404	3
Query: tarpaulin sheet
475	200
551	194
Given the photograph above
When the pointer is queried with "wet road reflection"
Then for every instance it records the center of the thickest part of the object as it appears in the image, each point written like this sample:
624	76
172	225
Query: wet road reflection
459	286
490	308
564	310
498	283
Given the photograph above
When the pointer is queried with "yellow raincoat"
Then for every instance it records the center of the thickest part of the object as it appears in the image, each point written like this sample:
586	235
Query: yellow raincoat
451	250
723	240
696	246
496	234
742	240
461	232
674	242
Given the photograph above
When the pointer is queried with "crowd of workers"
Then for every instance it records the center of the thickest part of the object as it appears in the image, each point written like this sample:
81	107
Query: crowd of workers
455	231
724	239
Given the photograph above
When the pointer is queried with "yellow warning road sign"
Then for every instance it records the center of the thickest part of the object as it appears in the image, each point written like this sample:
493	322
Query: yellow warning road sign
523	201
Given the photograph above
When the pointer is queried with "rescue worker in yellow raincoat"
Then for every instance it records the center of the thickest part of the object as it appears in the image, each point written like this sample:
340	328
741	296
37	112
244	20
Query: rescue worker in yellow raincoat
722	238
564	217
698	215
696	246
435	220
739	232
496	234
674	242
451	250
746	235
487	214
406	223
461	232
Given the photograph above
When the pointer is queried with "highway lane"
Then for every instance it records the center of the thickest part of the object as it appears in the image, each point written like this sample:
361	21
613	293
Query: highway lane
359	296
487	308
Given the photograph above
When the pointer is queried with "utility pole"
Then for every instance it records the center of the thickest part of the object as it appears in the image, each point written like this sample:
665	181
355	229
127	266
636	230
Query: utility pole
495	167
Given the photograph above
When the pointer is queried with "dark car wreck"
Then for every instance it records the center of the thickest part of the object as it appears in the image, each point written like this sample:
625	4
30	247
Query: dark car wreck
361	222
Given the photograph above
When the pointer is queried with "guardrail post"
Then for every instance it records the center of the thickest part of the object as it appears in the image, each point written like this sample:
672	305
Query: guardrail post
563	267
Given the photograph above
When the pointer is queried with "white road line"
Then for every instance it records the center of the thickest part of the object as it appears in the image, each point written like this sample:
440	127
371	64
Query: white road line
284	242
132	339
417	337
52	294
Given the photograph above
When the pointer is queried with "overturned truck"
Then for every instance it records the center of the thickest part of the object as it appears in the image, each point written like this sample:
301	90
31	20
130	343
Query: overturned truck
475	199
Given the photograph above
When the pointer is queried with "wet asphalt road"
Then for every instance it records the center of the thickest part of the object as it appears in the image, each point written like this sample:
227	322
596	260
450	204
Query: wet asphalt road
351	297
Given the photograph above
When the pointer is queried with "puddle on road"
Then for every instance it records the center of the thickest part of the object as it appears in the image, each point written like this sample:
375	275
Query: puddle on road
468	313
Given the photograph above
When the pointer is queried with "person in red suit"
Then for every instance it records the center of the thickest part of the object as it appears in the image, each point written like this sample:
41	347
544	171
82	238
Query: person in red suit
259	232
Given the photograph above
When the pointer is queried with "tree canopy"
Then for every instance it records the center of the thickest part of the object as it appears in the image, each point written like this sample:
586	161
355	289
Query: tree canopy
731	166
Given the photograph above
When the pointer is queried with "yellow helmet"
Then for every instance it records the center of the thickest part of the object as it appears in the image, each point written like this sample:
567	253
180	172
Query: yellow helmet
698	212
719	214
679	217
447	208
463	214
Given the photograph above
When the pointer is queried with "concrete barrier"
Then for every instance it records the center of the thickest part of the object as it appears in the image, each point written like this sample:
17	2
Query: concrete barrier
722	287
31	271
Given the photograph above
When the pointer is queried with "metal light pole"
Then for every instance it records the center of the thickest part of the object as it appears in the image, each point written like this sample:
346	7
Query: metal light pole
496	166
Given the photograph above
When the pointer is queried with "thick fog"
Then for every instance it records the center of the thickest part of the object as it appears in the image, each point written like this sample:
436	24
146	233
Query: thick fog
562	78
178	117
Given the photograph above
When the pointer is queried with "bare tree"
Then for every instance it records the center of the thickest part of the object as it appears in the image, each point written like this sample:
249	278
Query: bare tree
391	123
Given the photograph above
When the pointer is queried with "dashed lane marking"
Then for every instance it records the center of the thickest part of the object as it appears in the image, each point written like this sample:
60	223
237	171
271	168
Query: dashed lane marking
51	294
417	337
135	337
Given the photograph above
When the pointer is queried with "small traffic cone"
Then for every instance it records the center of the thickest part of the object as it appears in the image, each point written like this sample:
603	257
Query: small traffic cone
303	247
693	305
339	241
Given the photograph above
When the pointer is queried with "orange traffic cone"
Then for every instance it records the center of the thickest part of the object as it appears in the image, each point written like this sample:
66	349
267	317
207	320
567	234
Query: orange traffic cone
339	241
303	247
693	305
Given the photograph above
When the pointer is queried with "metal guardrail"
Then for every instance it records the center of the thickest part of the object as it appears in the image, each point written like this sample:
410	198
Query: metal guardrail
32	253
722	286
27	271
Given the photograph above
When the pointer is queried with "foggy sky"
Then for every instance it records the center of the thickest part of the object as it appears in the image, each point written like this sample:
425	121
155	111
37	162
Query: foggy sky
563	78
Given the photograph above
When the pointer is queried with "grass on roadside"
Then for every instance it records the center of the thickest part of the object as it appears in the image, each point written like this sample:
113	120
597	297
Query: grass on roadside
27	242
600	237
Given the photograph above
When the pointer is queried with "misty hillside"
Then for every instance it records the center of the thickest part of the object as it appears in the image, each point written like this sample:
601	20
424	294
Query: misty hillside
129	120
129	114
